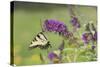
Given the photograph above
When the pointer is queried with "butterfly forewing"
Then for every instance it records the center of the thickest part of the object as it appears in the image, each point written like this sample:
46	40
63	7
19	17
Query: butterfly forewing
42	36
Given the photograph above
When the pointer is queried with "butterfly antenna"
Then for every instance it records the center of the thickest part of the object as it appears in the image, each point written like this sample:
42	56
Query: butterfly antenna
41	24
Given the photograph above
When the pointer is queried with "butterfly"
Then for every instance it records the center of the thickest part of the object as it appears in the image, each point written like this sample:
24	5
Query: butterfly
40	41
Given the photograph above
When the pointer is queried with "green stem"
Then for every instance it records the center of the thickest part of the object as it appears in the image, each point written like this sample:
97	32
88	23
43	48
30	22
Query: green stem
68	58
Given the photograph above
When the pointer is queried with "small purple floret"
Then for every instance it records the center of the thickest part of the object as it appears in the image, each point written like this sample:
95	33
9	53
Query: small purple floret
75	22
85	38
52	55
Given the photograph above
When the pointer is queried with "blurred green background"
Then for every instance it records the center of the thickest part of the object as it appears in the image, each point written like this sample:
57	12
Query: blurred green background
27	19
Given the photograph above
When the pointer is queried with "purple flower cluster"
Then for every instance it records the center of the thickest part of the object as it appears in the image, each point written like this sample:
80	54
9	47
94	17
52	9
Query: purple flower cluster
75	22
55	26
86	37
52	25
89	36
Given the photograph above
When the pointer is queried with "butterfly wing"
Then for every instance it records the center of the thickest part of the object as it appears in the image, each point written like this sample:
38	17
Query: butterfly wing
39	41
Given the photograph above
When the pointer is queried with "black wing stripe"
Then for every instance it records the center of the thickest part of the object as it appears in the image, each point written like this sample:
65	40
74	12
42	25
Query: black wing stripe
35	39
31	43
43	35
38	36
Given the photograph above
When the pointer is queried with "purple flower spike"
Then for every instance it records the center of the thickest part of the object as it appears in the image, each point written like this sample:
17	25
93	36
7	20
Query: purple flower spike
75	22
55	26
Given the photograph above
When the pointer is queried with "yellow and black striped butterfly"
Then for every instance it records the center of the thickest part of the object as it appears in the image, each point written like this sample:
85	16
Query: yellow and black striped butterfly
40	41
